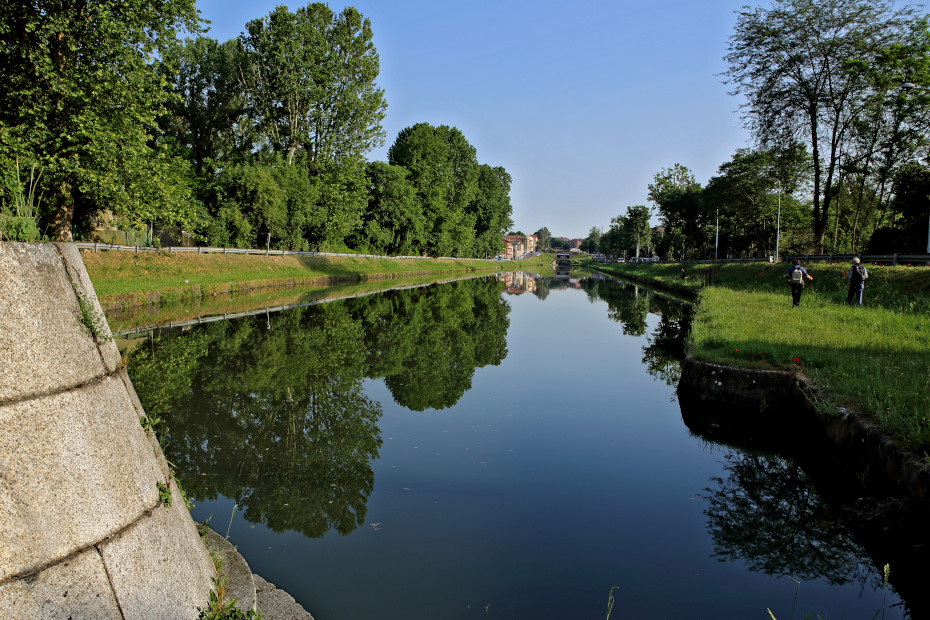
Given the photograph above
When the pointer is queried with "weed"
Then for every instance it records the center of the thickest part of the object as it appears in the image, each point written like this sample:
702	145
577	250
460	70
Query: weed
610	601
92	320
217	609
164	492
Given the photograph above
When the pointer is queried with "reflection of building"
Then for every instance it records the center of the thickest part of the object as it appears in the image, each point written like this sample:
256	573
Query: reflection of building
518	282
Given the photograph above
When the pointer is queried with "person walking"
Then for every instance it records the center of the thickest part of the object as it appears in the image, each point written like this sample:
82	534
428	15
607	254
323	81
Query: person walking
796	274
856	277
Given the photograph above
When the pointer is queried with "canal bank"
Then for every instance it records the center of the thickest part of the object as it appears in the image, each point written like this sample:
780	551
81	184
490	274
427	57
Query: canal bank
92	520
732	371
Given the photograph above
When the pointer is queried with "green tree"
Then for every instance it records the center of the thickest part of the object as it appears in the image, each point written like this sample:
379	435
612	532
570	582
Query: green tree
310	79
443	168
804	67
678	198
206	120
393	223
80	97
543	235
491	209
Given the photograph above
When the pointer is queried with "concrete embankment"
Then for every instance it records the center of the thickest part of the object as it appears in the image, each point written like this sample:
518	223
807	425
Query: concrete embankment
786	404
86	525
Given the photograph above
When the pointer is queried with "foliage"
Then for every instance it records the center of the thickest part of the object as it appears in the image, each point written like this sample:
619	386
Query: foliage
821	70
164	492
310	79
443	169
80	98
218	609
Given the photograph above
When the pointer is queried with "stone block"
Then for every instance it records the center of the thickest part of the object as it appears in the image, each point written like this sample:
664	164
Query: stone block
75	467
75	588
77	273
160	568
43	345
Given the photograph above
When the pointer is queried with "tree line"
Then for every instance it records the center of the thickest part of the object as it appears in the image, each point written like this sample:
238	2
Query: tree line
256	141
837	100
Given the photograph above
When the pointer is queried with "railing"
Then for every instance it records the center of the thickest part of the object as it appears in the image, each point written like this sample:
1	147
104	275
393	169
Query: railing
96	247
889	259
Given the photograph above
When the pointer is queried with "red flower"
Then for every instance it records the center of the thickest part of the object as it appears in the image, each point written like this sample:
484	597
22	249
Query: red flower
797	361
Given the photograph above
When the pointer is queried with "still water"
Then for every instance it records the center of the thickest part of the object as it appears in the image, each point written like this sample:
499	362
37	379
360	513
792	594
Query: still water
506	447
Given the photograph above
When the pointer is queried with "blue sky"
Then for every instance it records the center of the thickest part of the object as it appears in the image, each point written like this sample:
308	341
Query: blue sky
581	102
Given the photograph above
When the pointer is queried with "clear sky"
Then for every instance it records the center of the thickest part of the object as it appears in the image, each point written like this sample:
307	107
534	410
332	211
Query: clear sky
581	102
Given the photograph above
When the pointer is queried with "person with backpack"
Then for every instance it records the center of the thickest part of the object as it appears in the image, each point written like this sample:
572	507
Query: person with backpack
857	275
796	275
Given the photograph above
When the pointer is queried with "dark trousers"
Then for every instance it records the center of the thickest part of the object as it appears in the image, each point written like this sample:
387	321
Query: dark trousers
854	296
796	293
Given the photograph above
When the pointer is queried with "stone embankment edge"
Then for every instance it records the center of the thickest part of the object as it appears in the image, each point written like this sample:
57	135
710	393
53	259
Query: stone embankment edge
859	440
783	398
249	589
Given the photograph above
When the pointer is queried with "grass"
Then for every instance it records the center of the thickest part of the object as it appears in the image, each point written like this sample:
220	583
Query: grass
874	359
116	273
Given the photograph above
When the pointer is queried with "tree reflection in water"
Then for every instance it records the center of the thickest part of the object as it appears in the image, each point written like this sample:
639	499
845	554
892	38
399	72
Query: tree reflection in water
766	513
270	411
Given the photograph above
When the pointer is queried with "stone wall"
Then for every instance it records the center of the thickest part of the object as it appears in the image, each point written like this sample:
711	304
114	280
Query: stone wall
84	528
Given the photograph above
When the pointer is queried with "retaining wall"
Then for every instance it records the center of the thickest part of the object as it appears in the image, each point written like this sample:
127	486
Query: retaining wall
84	530
786	404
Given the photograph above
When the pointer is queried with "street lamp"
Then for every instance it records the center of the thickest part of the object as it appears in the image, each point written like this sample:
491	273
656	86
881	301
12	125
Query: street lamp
908	86
778	223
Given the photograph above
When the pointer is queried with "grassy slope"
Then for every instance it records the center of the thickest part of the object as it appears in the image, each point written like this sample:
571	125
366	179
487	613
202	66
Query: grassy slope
875	359
121	273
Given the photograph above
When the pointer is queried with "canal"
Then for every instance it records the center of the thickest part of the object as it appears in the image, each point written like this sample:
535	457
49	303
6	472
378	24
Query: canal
497	447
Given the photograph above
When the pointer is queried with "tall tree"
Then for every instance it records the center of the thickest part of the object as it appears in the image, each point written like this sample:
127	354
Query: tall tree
80	97
491	209
678	198
310	78
443	168
803	68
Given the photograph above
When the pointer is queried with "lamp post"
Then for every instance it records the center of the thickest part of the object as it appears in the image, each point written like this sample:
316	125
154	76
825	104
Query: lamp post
909	86
717	236
778	224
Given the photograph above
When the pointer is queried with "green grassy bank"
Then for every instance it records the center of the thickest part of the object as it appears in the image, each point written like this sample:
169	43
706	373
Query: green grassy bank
874	359
130	278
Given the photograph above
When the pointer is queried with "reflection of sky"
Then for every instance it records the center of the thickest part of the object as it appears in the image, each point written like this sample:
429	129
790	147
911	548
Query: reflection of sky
562	472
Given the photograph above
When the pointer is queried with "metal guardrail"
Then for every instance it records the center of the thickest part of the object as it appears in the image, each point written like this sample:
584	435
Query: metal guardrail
892	259
96	247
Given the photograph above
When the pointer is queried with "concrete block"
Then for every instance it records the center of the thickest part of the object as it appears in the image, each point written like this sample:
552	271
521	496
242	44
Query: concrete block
43	345
160	568
75	588
75	467
276	604
83	286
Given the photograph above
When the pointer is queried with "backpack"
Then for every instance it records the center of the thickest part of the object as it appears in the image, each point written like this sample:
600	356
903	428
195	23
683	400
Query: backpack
797	276
858	275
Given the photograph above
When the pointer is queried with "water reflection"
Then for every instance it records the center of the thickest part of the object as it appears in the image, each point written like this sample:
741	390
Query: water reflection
766	513
270	410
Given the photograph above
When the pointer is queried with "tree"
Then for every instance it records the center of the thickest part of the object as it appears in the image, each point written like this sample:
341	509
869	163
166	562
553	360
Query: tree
543	235
393	222
637	222
310	79
80	97
678	198
803	66
491	209
206	120
443	168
